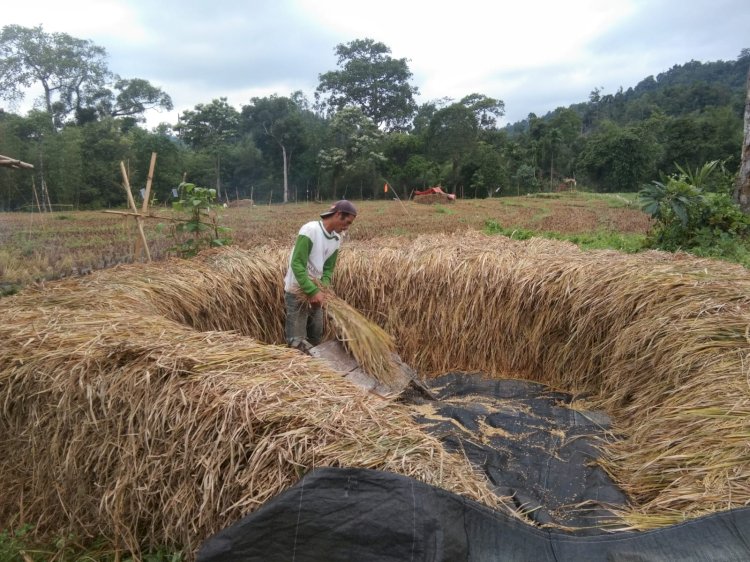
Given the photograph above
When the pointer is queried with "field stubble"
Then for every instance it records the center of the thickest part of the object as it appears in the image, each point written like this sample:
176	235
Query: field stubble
42	247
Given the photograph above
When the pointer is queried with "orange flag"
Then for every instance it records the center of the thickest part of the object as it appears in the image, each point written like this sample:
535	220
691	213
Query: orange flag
385	188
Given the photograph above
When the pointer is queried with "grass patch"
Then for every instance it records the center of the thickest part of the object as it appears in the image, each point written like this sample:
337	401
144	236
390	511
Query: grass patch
599	240
19	545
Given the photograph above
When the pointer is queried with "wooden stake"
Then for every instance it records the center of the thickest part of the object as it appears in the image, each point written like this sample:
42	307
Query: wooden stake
131	202
153	216
36	197
150	179
146	197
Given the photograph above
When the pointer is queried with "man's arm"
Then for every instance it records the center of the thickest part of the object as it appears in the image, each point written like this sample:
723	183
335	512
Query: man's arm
300	255
328	269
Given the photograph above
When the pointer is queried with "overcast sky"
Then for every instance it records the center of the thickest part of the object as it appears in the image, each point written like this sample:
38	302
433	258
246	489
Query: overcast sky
535	55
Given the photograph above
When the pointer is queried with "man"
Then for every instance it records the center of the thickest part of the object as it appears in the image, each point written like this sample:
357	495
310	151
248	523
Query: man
313	259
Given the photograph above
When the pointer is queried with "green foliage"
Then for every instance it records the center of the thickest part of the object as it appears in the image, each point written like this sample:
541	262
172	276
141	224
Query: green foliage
353	151
494	227
73	75
276	126
613	142
201	229
603	240
13	543
689	218
618	159
370	79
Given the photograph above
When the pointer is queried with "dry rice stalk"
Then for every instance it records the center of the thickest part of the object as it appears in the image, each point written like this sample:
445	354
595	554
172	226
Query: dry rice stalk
371	346
121	419
661	339
147	403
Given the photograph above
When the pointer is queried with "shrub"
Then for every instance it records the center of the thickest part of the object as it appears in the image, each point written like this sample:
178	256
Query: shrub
201	229
690	217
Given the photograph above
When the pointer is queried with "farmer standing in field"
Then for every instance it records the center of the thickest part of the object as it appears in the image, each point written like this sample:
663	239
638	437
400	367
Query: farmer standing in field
313	259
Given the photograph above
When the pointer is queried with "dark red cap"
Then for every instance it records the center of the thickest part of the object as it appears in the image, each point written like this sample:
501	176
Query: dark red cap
342	206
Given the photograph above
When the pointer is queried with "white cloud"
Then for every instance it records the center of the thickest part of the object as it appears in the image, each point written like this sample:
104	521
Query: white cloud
535	55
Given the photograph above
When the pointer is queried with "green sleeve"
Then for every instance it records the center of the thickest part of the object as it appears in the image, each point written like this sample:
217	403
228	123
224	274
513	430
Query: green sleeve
300	255
328	268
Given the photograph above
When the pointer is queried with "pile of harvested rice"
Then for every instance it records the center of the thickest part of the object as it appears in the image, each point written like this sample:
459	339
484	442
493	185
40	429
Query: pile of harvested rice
662	340
140	404
149	404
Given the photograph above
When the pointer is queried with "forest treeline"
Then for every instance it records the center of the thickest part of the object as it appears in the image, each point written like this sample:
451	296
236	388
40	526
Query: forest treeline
361	129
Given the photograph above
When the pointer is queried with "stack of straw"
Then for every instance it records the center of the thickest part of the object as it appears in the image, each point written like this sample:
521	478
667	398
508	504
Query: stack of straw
154	405
661	340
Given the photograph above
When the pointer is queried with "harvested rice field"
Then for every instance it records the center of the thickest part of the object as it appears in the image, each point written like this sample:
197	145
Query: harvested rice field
41	247
152	405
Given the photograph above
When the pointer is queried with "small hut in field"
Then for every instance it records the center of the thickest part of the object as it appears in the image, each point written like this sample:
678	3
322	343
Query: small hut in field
433	195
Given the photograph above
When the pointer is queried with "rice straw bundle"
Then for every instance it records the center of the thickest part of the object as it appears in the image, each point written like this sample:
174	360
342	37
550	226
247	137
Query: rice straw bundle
371	346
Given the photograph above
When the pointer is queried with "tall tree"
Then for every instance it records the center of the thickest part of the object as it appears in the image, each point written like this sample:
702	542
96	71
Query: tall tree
618	159
276	124
372	80
66	68
486	109
353	148
132	98
211	127
742	189
452	135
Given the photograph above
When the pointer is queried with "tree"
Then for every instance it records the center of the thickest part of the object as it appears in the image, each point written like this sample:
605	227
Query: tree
67	68
451	135
211	127
132	97
554	138
486	109
276	124
618	159
742	190
353	148
369	78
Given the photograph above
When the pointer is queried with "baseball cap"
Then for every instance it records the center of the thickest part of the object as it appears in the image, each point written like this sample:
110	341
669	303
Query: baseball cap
342	206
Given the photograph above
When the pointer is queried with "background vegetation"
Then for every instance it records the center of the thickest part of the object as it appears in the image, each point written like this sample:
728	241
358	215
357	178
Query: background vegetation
363	128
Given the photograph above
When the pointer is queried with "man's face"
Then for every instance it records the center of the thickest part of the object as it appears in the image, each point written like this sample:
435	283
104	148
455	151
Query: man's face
341	222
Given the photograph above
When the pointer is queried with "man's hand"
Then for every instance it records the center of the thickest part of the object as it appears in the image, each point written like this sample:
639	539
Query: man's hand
318	299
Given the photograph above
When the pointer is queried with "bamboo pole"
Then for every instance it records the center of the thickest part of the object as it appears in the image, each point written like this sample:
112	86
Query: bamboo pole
146	196
387	183
153	216
36	196
13	163
149	181
45	195
131	202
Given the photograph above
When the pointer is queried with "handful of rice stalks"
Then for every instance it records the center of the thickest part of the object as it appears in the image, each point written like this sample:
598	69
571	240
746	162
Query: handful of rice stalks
372	347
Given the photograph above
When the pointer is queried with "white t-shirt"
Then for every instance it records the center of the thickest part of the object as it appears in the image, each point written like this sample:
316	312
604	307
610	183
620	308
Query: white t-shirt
313	257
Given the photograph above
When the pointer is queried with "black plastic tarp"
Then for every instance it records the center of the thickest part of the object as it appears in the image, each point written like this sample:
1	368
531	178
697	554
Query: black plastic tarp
366	515
535	444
